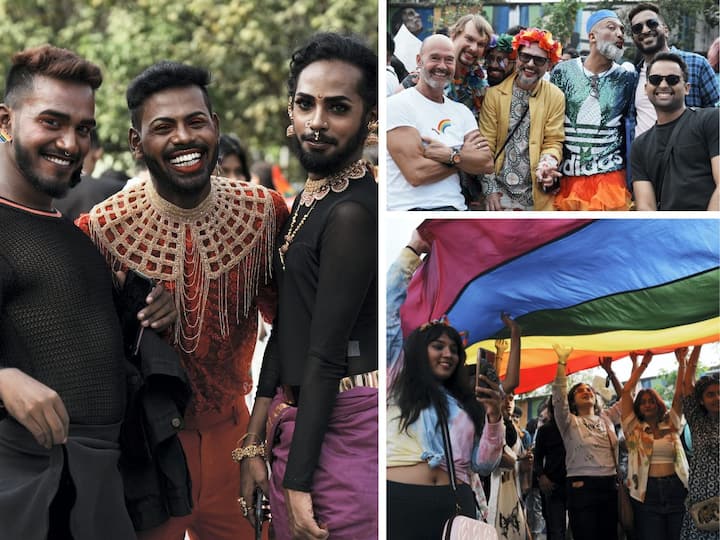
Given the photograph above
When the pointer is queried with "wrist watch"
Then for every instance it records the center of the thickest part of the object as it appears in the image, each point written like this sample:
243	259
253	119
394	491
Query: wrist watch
454	157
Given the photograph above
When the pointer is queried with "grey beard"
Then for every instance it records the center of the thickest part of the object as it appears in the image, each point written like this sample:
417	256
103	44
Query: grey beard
609	50
432	83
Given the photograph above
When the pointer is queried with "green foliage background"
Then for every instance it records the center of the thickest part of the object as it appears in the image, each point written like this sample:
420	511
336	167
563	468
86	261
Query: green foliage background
246	44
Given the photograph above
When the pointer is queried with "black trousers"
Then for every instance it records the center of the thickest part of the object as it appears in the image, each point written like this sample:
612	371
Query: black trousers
419	512
592	507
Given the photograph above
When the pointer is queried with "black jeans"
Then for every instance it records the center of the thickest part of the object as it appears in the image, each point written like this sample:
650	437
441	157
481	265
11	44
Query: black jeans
555	513
419	512
592	506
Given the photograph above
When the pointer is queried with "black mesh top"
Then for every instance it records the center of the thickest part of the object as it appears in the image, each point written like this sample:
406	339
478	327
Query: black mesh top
58	322
326	327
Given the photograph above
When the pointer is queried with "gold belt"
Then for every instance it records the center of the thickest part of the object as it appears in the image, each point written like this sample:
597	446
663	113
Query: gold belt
368	379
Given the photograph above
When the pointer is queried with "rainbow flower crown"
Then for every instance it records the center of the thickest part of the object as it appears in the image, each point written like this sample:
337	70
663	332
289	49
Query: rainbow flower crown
543	38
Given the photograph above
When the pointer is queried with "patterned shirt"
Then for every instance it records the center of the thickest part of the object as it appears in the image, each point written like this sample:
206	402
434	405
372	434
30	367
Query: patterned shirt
704	463
639	438
515	181
589	440
594	117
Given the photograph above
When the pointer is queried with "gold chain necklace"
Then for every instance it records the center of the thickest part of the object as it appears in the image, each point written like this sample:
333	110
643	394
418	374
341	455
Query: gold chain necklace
293	230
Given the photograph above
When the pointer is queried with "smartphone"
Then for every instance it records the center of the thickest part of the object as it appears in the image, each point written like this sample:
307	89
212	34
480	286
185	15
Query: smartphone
485	367
136	290
134	296
262	511
481	369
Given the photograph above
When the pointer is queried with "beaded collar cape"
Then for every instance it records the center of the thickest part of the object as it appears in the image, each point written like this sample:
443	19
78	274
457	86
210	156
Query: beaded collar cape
191	249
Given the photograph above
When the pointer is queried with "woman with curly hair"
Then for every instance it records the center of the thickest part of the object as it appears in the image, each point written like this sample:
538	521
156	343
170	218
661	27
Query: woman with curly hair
657	467
701	405
590	456
429	386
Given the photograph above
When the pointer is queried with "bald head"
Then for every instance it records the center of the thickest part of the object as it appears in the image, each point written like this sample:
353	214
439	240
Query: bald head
436	63
436	41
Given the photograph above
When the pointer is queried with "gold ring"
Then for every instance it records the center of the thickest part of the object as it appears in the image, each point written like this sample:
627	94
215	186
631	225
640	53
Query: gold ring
243	506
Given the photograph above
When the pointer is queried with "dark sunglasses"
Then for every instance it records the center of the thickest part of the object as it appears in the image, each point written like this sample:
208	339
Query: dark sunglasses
672	80
652	24
539	61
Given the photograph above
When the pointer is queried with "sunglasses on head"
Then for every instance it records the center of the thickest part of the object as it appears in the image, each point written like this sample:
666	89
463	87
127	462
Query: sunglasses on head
672	80
539	61
652	24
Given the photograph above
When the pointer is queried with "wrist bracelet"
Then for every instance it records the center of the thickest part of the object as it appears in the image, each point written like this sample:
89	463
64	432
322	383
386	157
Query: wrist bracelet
413	250
249	451
562	362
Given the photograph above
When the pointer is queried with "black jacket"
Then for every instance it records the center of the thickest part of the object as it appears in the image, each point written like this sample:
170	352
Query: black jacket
152	463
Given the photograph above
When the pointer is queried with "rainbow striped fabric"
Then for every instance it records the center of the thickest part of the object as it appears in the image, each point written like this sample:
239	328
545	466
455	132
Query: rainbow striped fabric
604	287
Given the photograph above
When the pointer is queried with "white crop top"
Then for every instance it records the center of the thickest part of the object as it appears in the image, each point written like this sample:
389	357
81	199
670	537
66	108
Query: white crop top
663	451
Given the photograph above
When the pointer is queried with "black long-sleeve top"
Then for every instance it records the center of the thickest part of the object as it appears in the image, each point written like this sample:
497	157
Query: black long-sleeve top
58	322
550	453
326	326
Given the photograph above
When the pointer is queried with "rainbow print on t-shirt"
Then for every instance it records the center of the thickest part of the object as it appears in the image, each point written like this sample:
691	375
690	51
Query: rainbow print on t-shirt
443	125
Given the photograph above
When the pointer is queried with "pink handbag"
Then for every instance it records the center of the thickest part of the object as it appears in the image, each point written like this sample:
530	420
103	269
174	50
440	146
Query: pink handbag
465	528
460	527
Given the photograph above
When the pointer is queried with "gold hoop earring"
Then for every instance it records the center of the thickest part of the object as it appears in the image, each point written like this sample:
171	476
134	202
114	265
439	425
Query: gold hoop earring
372	138
290	131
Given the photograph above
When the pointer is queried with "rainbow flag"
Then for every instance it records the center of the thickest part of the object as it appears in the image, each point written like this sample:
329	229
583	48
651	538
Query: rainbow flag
604	287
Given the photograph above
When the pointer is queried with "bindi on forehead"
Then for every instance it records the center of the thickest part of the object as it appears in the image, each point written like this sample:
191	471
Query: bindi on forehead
329	79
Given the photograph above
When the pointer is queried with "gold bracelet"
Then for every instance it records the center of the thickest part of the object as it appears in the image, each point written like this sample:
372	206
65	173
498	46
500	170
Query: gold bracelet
251	450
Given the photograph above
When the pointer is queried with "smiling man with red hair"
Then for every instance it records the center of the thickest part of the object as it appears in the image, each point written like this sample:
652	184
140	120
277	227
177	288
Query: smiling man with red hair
521	109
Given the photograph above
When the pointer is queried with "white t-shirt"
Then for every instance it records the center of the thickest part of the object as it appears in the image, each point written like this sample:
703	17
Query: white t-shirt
447	122
646	115
391	81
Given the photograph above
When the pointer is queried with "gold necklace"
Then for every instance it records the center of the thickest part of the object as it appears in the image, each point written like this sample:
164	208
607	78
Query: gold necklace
293	230
338	182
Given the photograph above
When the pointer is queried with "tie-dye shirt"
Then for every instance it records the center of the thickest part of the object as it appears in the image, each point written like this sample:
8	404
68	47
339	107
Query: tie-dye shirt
595	110
422	441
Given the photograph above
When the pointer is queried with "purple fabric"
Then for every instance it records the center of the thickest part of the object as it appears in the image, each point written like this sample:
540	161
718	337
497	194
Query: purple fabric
345	484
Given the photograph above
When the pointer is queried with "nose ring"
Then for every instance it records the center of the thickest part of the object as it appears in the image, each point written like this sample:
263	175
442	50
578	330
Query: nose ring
316	132
67	154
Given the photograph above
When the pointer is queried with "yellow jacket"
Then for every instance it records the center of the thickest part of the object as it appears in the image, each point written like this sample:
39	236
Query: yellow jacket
547	132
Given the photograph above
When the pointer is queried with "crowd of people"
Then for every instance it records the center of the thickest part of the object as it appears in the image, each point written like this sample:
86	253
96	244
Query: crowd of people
130	308
561	477
510	122
127	336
